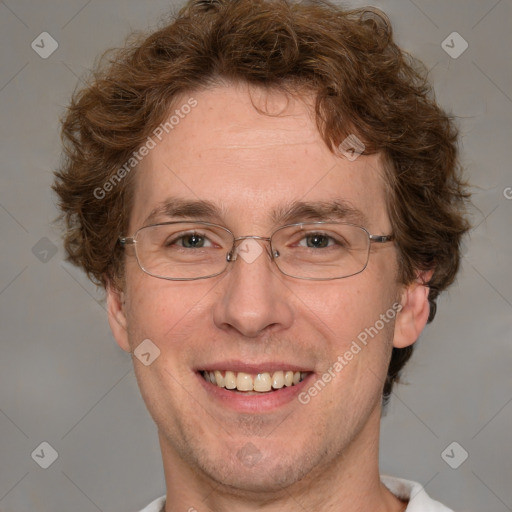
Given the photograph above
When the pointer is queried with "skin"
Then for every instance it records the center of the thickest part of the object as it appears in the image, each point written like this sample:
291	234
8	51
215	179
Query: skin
321	456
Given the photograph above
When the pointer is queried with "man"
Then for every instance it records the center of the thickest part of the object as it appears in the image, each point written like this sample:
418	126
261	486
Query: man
273	203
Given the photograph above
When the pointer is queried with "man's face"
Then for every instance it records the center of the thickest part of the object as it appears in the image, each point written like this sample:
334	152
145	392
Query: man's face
252	317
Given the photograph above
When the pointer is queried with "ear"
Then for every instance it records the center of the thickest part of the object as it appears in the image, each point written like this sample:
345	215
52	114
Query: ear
413	316
117	317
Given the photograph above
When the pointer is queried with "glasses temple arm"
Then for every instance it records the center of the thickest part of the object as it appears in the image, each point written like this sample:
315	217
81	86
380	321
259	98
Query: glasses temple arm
381	239
126	240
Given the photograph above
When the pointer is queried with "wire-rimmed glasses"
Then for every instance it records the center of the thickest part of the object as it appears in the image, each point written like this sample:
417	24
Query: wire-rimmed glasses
185	251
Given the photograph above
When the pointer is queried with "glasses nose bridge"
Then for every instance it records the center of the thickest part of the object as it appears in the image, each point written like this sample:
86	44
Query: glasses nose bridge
267	238
232	255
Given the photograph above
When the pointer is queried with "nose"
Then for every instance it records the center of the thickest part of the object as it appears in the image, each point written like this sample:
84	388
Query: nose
254	298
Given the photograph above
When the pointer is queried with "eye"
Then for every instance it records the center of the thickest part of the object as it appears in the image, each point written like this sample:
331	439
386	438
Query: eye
189	241
316	241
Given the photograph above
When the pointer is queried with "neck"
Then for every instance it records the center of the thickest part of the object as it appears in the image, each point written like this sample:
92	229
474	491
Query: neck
349	482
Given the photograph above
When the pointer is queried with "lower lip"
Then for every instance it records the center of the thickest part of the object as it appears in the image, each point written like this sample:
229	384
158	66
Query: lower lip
257	403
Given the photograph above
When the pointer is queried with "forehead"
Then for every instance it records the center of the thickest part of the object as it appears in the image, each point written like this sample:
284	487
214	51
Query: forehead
251	166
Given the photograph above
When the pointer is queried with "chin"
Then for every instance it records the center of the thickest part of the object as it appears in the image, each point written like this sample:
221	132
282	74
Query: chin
249	471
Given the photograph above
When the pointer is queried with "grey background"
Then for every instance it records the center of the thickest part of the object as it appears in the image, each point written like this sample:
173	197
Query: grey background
63	379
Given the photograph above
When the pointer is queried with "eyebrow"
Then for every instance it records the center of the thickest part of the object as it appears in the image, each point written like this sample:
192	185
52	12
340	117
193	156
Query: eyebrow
295	211
178	208
334	210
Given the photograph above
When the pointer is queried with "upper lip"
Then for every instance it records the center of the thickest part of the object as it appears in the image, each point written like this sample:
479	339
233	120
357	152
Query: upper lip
254	368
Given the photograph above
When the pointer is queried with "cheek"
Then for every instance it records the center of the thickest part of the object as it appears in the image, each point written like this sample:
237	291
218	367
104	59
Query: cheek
357	325
166	314
344	309
157	308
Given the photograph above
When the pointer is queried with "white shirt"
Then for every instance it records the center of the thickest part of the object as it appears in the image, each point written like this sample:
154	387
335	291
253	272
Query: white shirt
412	491
402	489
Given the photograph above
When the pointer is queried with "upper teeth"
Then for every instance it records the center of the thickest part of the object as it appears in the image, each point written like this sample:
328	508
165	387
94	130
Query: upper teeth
260	382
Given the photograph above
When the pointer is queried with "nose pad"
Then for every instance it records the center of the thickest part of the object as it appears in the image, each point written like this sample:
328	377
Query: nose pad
249	250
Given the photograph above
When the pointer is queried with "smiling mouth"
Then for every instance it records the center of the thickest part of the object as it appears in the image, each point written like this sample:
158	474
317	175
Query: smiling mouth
253	383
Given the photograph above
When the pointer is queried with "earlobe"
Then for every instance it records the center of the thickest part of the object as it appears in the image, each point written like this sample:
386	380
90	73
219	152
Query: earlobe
414	313
117	317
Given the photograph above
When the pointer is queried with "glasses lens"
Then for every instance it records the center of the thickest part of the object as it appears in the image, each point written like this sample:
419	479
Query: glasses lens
321	250
183	250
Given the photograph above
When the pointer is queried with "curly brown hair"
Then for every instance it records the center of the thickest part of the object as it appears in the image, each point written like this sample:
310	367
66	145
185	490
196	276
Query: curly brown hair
363	82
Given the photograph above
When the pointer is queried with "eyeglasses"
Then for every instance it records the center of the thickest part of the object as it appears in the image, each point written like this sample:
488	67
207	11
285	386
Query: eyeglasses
184	251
